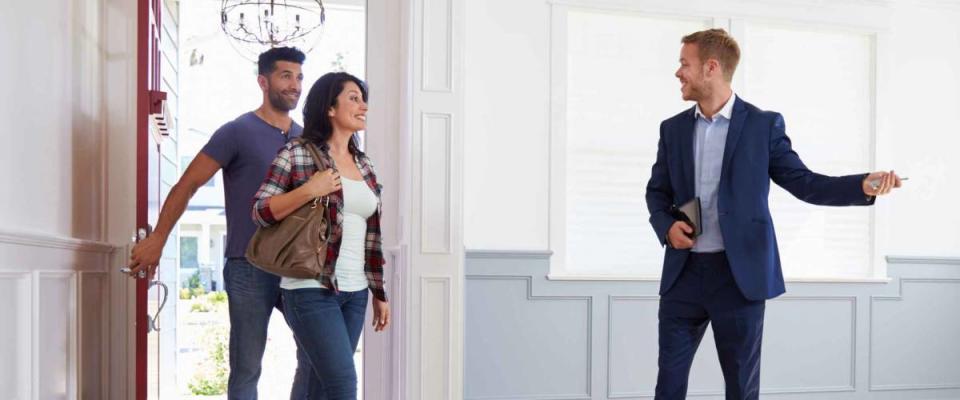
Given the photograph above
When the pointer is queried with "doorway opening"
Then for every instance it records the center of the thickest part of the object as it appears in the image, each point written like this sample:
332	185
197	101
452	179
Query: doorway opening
217	84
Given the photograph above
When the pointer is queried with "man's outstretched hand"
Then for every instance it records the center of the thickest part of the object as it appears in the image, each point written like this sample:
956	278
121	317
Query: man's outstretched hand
880	183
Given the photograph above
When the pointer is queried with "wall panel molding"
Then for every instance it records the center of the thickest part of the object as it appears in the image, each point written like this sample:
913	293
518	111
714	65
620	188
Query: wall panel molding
851	302
437	44
54	242
611	320
435	198
436	350
60	343
844	320
900	298
588	368
431	198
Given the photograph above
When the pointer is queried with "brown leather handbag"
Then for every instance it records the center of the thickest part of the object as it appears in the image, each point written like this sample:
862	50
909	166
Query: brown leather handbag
295	247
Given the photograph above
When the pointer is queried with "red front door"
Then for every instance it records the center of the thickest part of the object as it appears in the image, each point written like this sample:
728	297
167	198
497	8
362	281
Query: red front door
150	136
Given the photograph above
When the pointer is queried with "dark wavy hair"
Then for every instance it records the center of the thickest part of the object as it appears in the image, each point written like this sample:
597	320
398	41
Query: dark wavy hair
317	126
267	61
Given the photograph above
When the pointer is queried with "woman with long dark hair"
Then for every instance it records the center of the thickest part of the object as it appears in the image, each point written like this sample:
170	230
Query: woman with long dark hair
326	314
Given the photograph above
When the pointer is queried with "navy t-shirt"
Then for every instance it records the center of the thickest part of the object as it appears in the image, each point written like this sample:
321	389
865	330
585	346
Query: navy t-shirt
245	149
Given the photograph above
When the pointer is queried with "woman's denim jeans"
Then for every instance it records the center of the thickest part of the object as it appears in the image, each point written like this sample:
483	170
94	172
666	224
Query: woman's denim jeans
327	327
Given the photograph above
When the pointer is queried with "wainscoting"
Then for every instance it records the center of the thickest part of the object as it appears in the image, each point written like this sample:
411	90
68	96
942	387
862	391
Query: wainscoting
56	300
528	337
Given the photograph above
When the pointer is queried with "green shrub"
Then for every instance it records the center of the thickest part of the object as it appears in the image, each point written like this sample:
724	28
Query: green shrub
203	385
185	294
194	281
198	291
200	306
217	298
211	377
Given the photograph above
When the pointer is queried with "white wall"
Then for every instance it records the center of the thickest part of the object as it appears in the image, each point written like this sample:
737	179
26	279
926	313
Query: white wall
508	116
53	116
921	141
507	124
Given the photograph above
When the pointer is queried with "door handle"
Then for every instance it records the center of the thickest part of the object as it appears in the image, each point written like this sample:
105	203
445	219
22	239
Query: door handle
140	274
152	324
139	235
142	233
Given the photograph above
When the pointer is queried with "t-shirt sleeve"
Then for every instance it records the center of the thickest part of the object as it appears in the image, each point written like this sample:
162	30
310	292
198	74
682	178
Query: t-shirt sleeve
222	146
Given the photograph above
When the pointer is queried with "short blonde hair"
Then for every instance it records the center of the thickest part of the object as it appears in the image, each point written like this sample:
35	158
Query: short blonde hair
719	45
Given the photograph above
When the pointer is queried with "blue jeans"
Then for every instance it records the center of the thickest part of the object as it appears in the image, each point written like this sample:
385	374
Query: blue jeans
251	297
327	327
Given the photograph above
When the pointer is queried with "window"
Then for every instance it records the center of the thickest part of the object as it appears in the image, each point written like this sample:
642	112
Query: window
830	121
188	252
612	94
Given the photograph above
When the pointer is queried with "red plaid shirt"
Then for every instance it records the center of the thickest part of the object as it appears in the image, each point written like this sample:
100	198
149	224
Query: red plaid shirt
293	167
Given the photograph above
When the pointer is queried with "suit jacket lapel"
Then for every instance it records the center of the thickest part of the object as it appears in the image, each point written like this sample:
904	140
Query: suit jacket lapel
737	119
687	130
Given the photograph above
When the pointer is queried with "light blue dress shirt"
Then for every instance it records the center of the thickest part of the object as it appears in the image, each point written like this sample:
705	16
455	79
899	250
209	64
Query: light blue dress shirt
709	143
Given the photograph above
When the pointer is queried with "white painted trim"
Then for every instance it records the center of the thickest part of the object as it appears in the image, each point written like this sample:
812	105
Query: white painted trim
923	260
401	331
422	263
504	253
389	71
645	278
586	277
447	335
556	202
429	244
34	337
427	83
945	5
55	242
849	13
73	323
22	324
840	280
102	311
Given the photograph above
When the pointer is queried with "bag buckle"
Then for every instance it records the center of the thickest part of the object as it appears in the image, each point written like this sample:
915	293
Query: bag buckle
316	201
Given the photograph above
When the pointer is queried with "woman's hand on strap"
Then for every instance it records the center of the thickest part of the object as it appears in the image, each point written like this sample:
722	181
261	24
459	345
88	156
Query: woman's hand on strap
322	183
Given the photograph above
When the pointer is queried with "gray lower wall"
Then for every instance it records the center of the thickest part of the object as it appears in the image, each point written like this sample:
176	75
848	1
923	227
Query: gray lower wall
528	337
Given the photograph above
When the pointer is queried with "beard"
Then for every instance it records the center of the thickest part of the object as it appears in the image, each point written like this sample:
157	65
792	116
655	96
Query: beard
281	102
701	90
697	91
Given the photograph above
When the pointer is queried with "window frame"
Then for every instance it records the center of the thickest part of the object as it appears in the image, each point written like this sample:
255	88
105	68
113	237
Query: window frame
863	19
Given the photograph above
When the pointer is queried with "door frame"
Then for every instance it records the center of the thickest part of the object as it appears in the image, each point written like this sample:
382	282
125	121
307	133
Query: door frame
148	85
386	72
408	43
415	60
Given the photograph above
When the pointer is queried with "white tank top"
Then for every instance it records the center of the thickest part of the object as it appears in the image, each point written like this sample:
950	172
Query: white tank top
359	203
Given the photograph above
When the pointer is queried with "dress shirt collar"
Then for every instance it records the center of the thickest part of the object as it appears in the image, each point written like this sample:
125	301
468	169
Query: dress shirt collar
726	111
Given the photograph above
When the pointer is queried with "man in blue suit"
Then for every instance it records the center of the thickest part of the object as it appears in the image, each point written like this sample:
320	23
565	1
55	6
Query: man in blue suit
725	151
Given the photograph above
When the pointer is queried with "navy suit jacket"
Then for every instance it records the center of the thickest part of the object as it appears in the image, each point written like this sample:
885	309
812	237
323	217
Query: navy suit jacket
757	151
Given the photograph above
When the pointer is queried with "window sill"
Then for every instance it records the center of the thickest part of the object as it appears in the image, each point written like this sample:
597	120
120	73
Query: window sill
640	278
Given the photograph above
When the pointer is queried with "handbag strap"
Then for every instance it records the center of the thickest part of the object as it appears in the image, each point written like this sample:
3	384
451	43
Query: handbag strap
317	159
312	148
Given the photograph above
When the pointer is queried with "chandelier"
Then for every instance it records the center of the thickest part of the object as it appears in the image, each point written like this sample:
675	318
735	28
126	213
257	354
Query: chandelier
255	26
